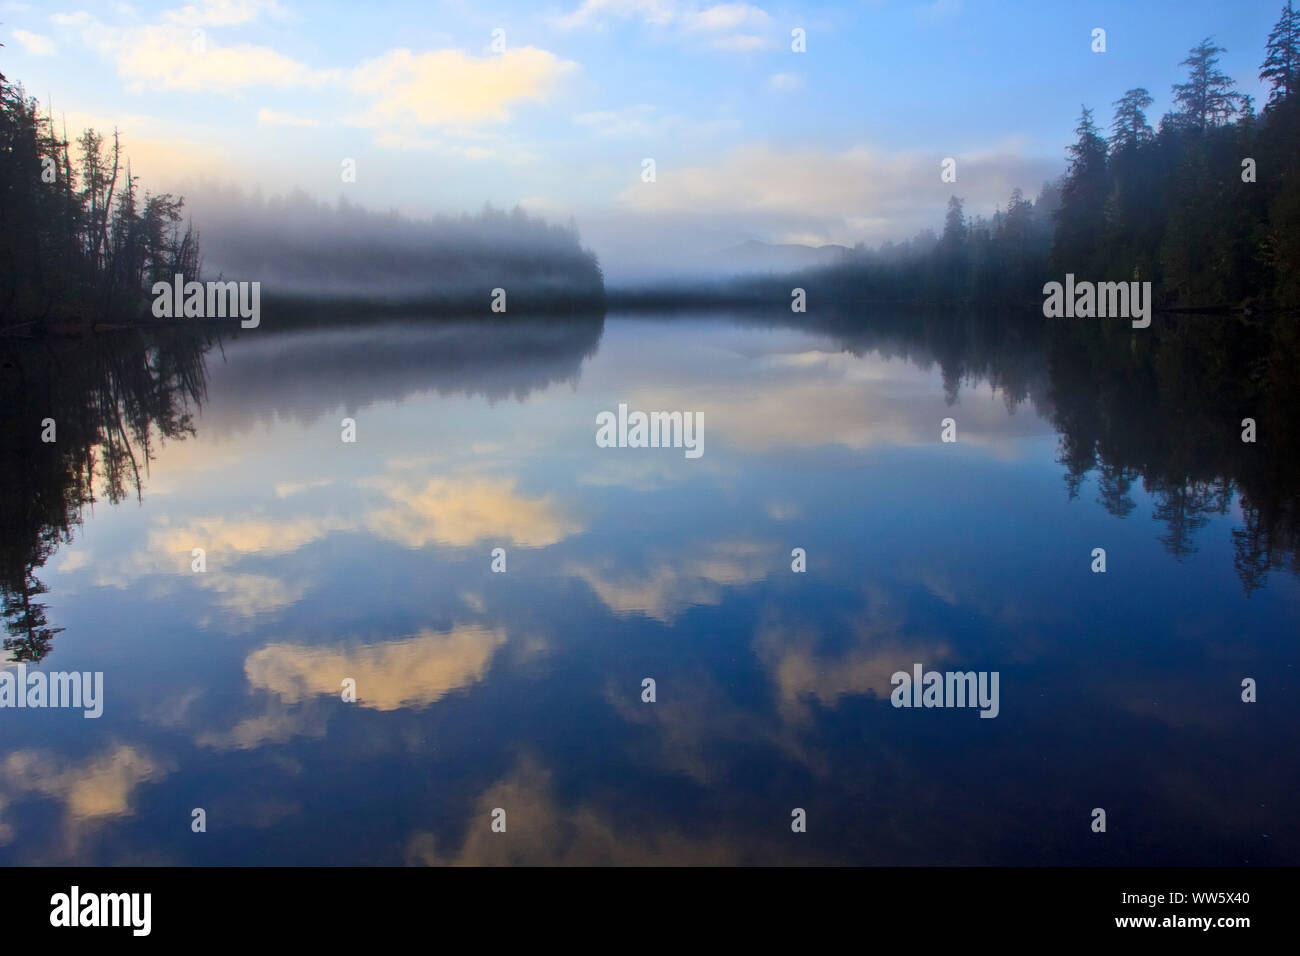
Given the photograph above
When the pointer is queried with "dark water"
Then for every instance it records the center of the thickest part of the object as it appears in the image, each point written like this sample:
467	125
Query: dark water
522	690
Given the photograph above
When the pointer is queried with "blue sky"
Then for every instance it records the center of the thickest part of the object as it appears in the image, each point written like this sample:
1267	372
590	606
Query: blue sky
840	143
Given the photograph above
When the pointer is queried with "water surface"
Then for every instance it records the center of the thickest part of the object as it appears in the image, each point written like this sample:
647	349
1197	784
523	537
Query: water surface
328	560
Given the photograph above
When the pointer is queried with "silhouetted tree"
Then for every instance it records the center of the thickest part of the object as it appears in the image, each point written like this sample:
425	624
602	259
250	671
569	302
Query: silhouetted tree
29	631
1130	126
1080	221
1281	66
1207	98
70	248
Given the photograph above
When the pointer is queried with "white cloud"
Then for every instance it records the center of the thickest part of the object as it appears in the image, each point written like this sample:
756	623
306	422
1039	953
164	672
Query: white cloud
271	118
411	672
714	24
287	489
167	57
462	512
407	142
739	42
222	13
664	590
726	16
594	12
94	790
844	196
178	53
451	87
79	19
785	81
647	122
34	43
629	121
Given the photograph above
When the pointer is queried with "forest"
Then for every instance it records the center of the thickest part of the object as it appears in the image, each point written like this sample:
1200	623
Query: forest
1205	206
79	240
320	258
81	245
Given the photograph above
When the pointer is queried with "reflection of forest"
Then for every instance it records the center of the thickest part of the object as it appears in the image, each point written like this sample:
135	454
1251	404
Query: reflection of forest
1167	405
302	374
106	401
113	397
1164	405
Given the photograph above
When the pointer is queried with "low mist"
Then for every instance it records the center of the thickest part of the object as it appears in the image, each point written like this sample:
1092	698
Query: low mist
298	247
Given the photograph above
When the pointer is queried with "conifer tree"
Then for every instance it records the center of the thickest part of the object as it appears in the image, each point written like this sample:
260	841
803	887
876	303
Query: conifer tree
1281	66
1207	98
1130	126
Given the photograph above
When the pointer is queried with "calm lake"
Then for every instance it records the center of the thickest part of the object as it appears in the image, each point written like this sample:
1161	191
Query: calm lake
372	561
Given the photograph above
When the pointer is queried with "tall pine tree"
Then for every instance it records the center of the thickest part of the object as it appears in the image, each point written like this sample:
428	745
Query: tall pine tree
1207	98
1281	66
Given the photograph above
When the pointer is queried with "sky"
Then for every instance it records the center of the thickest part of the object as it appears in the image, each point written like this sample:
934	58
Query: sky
556	105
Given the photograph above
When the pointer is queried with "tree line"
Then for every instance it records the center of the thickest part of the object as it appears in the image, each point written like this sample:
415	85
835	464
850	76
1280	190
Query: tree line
78	237
1206	206
314	258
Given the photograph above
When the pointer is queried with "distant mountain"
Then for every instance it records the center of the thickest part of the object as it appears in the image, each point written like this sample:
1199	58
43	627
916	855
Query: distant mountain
754	256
